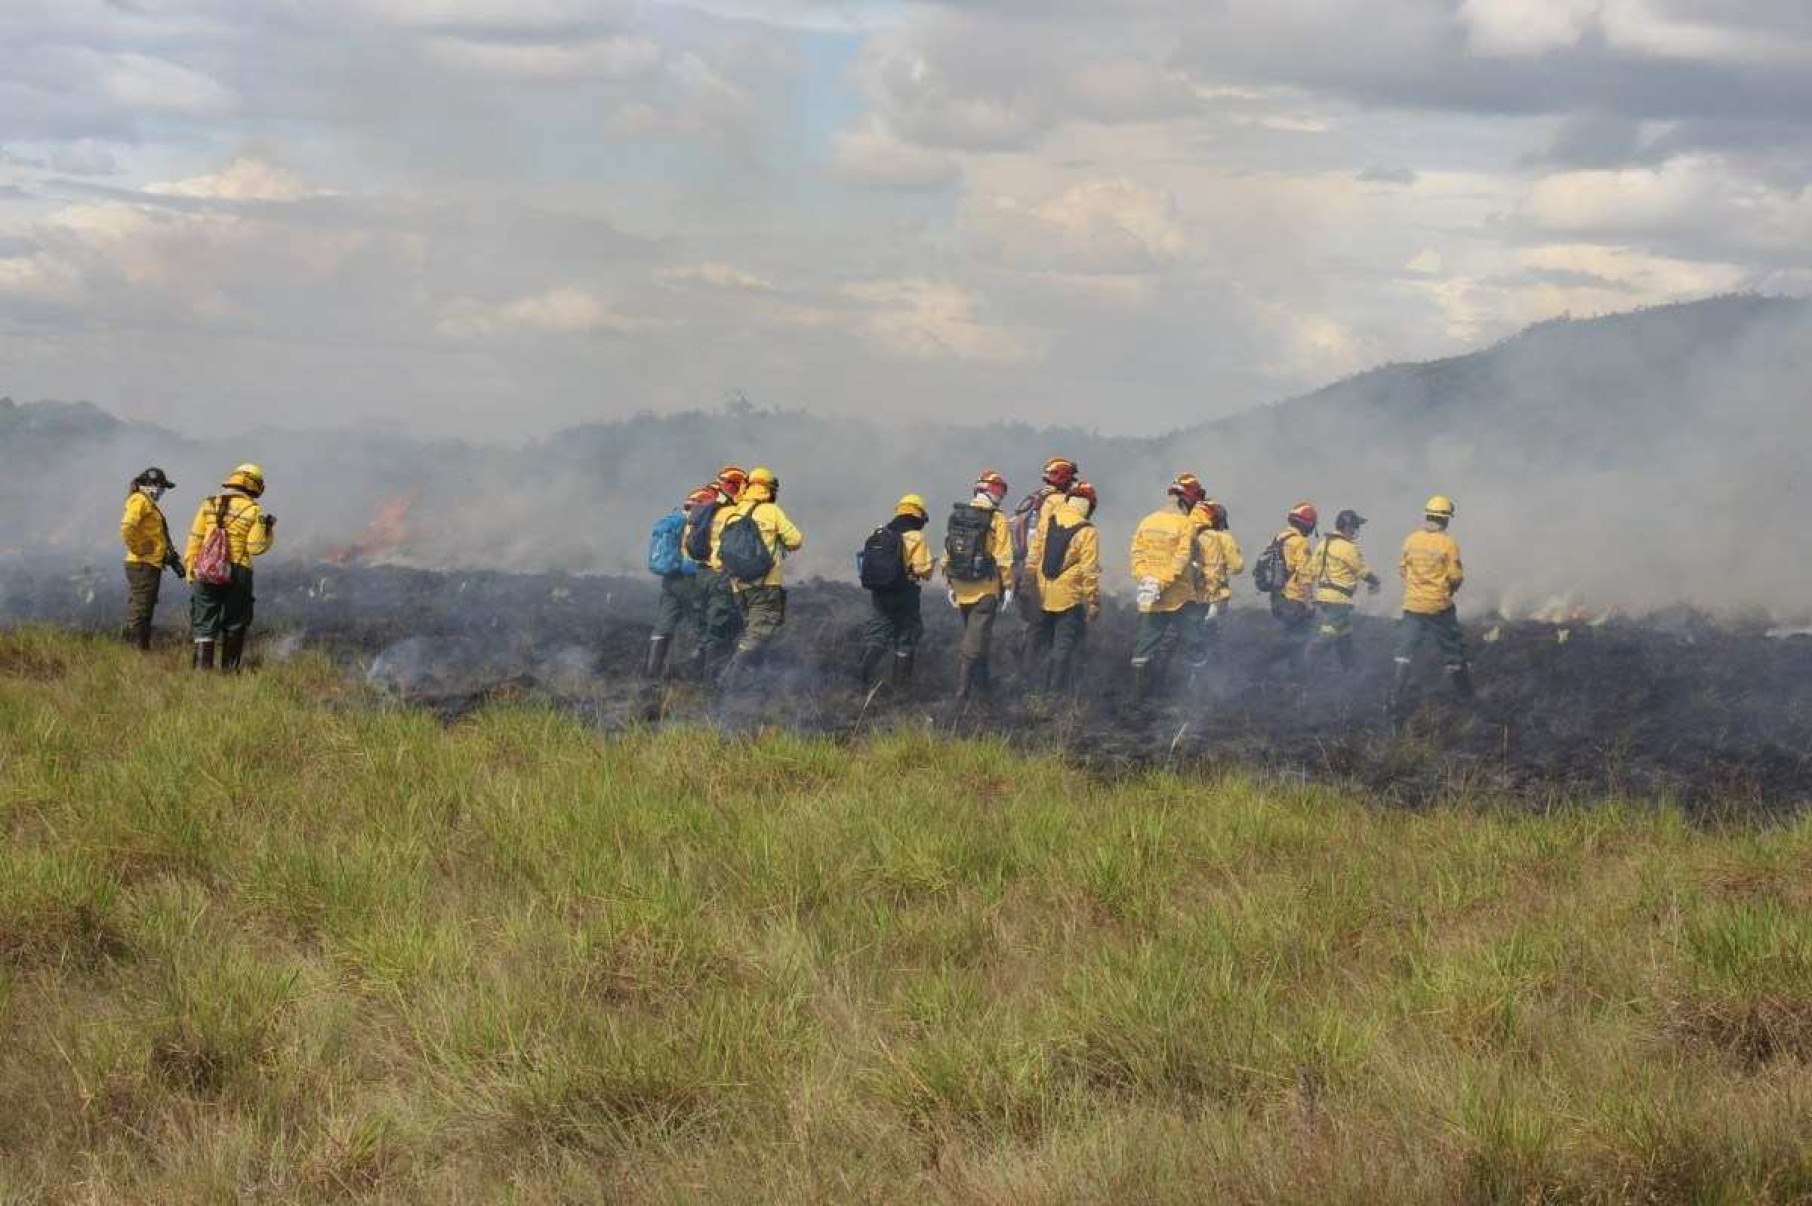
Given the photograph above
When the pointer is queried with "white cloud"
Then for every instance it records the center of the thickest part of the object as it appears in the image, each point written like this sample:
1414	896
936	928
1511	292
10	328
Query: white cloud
151	84
720	276
933	320
566	310
621	57
872	154
1111	226
245	179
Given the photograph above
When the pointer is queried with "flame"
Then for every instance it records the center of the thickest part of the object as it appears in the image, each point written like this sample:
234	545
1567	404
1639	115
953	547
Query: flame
1562	610
385	532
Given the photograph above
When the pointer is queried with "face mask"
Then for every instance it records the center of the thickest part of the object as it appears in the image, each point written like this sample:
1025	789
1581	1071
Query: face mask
153	492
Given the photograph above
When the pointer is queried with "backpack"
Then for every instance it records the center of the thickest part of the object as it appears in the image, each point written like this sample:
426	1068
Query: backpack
744	554
1271	572
214	563
665	554
698	532
1057	540
882	561
966	553
1024	516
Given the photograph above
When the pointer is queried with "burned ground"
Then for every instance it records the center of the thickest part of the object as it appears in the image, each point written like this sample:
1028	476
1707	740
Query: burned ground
1675	707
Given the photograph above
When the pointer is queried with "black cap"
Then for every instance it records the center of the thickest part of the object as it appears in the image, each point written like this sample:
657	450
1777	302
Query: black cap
156	477
1348	521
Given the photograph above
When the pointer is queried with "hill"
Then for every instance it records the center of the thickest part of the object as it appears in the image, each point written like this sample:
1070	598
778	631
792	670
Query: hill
1572	448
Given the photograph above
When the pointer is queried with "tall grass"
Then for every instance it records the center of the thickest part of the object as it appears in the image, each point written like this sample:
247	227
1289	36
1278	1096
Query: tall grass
263	937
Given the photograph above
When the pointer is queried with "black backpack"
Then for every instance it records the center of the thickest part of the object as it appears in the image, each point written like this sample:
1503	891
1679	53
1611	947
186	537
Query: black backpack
744	554
1271	573
966	551
1057	540
698	532
883	560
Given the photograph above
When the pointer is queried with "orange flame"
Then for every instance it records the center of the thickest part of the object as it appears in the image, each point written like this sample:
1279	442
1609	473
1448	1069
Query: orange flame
384	533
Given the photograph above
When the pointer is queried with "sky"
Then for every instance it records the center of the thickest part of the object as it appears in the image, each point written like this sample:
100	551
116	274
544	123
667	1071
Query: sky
493	218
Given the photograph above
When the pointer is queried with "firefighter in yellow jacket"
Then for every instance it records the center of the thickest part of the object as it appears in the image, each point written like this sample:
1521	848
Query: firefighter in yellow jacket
1031	519
1335	572
1162	555
1218	559
717	596
763	599
1069	585
1290	598
1432	574
220	613
978	565
896	563
149	552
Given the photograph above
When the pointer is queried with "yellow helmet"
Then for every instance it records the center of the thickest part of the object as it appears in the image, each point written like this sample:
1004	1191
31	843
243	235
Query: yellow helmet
761	475
911	504
248	477
1438	507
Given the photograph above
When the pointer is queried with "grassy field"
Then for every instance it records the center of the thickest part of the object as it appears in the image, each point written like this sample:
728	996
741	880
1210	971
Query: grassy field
265	938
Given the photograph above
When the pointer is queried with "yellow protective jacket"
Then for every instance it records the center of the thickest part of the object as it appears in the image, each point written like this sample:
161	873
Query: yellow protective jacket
1000	544
1336	568
919	566
1078	582
1296	557
1035	538
1217	559
143	531
1431	571
247	537
1161	548
777	531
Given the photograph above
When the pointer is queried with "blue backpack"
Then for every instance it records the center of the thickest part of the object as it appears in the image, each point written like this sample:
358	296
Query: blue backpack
665	554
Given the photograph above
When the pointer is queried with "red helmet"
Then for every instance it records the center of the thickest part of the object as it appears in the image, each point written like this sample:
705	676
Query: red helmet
1188	487
1085	490
991	483
1059	472
702	496
1211	513
1305	515
731	479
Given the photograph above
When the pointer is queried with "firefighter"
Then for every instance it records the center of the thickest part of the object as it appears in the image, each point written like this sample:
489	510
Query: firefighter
1290	604
1432	574
719	611
1218	560
896	562
1335	570
149	552
1161	557
1030	519
978	565
220	613
1069	585
682	603
763	600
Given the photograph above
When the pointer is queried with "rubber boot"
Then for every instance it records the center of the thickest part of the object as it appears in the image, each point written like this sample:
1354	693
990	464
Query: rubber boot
965	677
1393	703
141	636
736	670
868	669
1461	676
1141	681
204	655
983	682
232	651
657	657
902	668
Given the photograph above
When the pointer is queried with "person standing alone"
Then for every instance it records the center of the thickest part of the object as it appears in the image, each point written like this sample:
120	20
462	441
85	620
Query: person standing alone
149	552
1432	574
895	563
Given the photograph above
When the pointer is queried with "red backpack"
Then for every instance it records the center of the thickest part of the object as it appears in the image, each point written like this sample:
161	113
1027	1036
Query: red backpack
214	563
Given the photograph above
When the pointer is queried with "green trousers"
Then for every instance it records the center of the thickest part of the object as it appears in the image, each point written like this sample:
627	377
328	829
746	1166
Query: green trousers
764	614
897	621
681	605
218	611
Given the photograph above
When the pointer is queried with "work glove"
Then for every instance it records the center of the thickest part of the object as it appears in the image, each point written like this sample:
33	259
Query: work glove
174	564
951	595
269	521
1149	590
1373	586
1006	598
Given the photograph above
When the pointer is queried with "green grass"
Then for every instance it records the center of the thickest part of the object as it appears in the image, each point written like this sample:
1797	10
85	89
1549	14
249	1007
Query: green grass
267	938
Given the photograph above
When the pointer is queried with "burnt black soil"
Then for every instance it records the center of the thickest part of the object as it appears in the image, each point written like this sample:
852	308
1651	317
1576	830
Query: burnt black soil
1671	708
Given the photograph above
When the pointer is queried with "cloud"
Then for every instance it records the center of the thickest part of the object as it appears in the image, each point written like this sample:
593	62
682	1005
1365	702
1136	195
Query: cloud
871	154
618	57
718	276
566	310
933	320
1106	226
148	83
245	179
